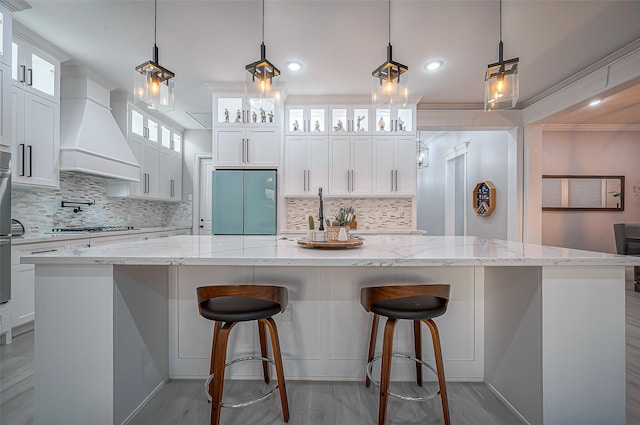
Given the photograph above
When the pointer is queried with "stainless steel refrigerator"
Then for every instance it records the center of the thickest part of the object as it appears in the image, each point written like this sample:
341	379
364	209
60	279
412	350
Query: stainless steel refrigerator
5	227
244	202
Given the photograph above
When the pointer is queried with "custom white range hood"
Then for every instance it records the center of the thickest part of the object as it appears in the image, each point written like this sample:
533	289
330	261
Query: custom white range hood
90	140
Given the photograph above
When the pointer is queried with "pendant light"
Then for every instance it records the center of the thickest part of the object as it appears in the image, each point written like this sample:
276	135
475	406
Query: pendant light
390	79
501	81
261	72
154	84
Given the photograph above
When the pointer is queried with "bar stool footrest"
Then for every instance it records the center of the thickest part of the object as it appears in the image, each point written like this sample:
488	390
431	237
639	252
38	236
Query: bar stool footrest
429	396
246	403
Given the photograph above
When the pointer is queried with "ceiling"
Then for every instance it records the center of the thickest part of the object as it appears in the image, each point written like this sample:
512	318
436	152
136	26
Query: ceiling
339	43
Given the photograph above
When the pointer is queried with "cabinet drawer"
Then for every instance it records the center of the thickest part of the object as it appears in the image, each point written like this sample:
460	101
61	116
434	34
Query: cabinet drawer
36	248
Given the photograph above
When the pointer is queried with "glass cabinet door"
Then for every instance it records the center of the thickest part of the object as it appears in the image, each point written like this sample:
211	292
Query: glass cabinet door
339	120
383	120
137	123
42	75
360	120
316	122
261	111
152	130
165	137
295	120
404	121
229	110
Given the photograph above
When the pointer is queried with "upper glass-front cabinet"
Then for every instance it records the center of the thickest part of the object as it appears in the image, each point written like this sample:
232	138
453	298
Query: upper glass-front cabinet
143	127
350	120
34	70
395	120
171	139
6	30
234	110
306	119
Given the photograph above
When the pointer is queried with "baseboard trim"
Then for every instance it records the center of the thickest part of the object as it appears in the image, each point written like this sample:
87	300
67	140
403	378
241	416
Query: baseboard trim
506	402
144	402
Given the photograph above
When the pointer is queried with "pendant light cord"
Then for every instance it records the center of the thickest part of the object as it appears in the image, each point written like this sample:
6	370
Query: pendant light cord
155	21
389	21
500	20
262	21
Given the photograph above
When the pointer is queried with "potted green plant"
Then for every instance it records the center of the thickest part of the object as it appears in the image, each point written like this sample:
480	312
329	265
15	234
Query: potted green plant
338	228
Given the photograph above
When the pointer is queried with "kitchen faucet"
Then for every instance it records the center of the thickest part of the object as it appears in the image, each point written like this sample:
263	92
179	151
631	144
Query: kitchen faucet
321	216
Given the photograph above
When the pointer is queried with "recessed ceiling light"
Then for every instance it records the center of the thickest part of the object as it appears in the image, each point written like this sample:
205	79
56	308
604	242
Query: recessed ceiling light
294	66
433	65
595	102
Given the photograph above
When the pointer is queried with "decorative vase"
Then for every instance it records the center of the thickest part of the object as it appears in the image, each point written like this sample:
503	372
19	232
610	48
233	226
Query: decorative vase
332	233
343	235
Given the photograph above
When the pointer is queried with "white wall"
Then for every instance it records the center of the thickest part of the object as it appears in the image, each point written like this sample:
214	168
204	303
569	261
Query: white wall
487	159
586	152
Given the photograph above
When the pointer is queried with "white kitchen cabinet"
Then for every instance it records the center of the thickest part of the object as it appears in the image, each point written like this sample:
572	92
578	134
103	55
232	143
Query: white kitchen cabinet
34	70
143	126
170	138
306	165
23	280
5	105
306	120
170	184
35	123
6	35
350	120
350	165
398	120
148	156
246	146
394	163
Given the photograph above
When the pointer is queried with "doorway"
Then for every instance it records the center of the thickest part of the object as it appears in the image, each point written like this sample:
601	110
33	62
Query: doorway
202	205
455	218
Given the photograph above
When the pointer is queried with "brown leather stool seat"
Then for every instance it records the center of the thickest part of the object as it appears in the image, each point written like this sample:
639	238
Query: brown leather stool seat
421	304
227	305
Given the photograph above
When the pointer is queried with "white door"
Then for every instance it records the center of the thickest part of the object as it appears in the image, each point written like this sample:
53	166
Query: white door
362	160
205	176
295	165
318	164
405	167
229	146
262	146
339	165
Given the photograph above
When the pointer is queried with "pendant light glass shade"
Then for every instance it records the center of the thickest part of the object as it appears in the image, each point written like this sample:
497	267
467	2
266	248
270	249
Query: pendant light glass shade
501	81
390	84
260	74
153	85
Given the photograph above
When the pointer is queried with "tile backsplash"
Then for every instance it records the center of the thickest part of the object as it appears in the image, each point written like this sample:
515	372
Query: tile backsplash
371	213
39	210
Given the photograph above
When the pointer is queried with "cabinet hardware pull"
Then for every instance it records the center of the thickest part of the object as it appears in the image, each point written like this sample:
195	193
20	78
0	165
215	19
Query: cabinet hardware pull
243	150
353	179
30	82
248	151
23	160
243	116
304	183
43	251
23	73
171	187
392	180
30	147
396	180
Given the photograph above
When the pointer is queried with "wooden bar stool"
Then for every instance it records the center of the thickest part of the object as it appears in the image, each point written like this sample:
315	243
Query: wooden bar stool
227	305
420	303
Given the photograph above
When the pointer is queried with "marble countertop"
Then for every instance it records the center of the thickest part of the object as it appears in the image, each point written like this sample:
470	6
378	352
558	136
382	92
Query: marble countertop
62	236
383	250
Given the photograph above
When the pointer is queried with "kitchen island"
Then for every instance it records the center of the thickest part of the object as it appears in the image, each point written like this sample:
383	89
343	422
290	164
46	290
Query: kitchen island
544	327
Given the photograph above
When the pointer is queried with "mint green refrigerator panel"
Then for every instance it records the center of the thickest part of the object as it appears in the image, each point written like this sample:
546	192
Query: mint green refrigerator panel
260	202
227	202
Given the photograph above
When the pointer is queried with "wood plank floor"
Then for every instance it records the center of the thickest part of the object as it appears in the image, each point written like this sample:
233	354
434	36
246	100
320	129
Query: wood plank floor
181	402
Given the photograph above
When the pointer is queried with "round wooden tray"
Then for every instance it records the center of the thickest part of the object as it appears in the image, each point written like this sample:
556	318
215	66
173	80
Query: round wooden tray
349	243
